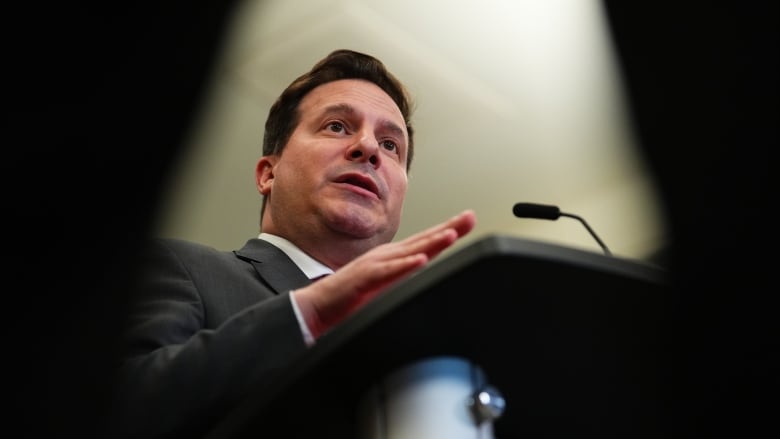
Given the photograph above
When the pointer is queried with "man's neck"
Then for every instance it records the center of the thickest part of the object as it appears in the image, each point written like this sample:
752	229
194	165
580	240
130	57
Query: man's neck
333	252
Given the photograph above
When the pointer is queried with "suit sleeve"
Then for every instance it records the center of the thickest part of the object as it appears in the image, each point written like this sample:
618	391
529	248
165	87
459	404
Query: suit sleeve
178	376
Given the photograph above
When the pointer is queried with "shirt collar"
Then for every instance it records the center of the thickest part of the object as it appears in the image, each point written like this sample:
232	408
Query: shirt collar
311	267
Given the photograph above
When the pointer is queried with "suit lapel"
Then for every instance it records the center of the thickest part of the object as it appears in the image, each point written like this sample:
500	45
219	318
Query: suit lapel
276	269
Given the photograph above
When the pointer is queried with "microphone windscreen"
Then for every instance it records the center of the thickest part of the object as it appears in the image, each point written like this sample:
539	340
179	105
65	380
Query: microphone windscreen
540	211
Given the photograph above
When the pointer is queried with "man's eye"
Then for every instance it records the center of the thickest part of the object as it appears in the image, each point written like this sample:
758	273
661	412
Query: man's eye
336	127
389	145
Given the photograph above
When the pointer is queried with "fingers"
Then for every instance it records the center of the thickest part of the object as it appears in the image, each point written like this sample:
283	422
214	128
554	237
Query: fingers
332	299
391	261
462	223
392	270
437	238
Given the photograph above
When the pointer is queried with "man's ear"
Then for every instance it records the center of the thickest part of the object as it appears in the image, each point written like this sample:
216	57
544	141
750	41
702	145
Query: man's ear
264	174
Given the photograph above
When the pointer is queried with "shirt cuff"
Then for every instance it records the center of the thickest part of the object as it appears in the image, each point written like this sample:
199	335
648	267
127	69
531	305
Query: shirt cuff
307	337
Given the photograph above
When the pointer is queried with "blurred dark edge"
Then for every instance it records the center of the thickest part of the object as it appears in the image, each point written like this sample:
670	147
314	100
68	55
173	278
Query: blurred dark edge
102	98
701	78
102	94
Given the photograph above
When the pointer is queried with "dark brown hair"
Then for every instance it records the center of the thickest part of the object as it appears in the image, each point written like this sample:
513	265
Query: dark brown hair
339	64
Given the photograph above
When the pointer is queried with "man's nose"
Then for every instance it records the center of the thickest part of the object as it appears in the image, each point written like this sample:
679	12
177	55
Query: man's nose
365	148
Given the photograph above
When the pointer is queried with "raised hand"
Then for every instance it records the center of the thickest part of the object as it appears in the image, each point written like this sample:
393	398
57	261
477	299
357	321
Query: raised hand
329	301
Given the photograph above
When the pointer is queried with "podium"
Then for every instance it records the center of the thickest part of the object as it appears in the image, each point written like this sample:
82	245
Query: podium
570	338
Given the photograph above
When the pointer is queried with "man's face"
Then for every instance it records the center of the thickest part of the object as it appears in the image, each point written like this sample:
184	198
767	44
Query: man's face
344	167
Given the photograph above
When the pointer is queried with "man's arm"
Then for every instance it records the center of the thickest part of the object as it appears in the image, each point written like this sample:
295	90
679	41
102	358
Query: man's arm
178	373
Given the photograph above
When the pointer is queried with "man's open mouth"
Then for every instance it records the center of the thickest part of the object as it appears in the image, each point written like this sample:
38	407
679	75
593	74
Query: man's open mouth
359	181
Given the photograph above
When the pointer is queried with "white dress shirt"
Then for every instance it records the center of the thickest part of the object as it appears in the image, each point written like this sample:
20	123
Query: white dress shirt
311	267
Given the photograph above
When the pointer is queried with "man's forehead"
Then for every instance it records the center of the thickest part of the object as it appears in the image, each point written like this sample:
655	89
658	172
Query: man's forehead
350	96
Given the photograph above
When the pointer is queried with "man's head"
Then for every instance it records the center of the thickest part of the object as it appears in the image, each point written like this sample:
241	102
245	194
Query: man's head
336	152
339	64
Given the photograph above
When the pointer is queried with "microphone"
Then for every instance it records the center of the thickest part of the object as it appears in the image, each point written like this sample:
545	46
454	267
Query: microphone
546	211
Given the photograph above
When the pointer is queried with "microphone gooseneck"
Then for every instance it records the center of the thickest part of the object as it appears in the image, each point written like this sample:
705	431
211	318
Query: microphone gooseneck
550	212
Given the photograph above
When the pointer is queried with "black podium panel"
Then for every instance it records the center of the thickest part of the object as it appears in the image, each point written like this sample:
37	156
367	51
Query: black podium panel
569	337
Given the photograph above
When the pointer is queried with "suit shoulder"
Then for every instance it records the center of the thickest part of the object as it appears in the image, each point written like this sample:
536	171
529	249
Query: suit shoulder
186	248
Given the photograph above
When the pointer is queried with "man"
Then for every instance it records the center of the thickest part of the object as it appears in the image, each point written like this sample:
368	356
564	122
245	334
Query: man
208	325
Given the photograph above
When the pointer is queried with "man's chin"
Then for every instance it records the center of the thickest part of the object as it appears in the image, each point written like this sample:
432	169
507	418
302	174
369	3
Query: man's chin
357	224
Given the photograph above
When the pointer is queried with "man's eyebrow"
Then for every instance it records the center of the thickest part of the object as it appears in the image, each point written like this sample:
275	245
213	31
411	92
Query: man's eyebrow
339	109
394	128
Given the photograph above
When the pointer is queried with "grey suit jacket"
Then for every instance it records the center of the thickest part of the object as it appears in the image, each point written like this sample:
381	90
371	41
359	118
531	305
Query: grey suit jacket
206	327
